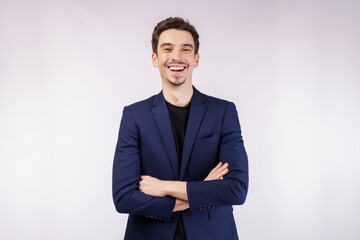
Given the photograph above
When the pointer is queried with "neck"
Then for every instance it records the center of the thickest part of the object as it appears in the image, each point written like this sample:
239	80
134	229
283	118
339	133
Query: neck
178	95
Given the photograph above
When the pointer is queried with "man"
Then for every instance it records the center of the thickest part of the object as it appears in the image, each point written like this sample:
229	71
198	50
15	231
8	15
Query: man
180	163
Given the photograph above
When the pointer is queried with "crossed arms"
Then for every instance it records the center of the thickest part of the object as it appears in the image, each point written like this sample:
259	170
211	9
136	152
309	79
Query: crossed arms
177	189
148	196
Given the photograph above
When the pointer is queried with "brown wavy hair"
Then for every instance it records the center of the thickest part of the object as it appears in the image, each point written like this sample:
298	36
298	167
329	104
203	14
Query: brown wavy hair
174	23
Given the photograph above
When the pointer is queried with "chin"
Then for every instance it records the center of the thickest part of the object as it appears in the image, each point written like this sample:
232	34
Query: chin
176	83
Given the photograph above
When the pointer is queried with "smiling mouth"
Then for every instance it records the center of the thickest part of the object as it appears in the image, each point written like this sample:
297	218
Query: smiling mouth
177	69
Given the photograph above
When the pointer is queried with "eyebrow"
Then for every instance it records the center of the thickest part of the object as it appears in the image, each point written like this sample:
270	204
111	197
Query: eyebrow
188	45
170	44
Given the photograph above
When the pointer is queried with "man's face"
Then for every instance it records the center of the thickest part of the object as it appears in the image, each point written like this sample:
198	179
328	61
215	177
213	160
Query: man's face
176	57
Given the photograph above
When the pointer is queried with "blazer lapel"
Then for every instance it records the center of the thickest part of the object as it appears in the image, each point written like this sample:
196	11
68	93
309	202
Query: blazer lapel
162	118
197	110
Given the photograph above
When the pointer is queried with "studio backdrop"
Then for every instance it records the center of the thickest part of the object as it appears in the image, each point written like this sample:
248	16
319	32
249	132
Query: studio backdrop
67	69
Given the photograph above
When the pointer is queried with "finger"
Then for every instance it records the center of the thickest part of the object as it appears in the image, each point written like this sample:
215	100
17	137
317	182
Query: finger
218	166
226	165
222	173
213	172
222	168
217	172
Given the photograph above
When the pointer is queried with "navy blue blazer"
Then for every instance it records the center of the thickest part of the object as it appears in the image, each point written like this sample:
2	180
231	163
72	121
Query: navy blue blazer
146	146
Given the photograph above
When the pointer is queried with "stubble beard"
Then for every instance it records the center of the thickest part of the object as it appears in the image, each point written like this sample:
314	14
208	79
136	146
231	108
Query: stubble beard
175	84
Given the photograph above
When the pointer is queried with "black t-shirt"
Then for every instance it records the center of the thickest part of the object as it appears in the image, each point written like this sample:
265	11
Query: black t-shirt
179	117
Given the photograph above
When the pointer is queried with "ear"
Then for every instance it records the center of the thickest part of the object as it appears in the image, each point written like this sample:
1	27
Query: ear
154	59
197	57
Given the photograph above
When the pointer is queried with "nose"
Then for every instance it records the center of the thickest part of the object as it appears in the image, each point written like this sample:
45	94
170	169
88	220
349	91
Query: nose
176	55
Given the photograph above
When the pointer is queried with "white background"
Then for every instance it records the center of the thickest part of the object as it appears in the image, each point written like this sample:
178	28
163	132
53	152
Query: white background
67	68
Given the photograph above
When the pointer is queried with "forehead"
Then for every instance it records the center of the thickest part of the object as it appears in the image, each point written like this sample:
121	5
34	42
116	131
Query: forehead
175	37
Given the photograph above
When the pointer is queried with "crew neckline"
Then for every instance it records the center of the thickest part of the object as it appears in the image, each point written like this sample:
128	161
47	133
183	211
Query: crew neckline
177	107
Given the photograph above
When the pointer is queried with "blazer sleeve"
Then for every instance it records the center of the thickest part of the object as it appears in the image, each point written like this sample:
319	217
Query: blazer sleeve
232	190
126	175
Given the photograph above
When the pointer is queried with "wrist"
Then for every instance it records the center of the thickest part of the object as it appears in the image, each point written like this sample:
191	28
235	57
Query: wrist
180	205
176	189
166	187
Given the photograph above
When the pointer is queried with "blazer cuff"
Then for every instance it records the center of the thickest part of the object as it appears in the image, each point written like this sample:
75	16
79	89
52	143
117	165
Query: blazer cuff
166	204
196	199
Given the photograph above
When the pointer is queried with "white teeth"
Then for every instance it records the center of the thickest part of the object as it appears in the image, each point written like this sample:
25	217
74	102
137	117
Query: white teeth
176	68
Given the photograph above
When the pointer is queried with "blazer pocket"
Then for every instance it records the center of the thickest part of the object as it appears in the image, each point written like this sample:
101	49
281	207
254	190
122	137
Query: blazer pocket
208	140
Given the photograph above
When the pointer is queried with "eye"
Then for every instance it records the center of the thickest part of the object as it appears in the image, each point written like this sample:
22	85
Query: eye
187	50
166	49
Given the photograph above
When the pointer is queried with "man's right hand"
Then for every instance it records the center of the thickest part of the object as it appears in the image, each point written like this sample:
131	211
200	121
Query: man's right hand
218	172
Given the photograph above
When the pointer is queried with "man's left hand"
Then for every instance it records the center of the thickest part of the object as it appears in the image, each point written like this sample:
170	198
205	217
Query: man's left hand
152	186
